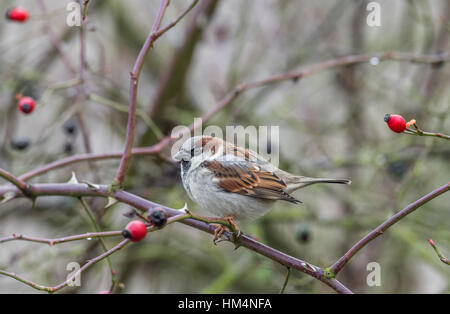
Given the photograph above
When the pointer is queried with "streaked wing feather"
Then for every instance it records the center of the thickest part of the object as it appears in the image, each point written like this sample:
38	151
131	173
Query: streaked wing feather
248	179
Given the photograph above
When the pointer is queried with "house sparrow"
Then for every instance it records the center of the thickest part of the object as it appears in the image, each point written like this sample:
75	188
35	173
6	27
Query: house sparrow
233	182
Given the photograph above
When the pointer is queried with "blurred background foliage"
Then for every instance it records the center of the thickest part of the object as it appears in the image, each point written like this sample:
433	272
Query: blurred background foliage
331	125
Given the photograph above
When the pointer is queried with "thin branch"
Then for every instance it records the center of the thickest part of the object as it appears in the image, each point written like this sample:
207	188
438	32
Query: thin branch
439	254
164	29
420	132
16	181
336	267
55	241
154	34
71	278
55	41
170	72
92	157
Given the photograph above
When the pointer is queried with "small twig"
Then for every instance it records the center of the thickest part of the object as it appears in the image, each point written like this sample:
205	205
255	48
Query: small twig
286	280
55	241
164	29
439	254
420	132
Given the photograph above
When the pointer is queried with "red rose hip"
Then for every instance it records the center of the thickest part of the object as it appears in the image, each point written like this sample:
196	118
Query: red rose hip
17	14
395	122
136	230
26	104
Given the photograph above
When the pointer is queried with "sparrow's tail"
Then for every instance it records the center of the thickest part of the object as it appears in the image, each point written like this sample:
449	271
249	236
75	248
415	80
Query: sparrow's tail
299	182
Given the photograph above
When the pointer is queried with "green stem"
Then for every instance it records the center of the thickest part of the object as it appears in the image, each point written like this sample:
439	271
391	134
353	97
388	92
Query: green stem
102	242
286	280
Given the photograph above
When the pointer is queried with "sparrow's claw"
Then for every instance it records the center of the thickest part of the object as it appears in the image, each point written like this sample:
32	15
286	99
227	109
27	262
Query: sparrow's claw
218	233
220	229
236	230
230	220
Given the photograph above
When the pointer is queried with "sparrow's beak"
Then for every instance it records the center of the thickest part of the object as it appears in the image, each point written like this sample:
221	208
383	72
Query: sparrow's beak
180	155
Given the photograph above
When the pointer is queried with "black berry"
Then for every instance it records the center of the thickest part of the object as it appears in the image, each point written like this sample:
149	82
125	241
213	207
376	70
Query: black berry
68	148
303	234
20	143
70	128
126	234
158	218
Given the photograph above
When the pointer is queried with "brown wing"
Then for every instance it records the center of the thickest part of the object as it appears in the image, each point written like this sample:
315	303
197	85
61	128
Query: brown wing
248	179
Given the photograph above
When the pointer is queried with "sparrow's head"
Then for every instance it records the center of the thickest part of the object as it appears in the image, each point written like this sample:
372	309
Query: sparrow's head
198	148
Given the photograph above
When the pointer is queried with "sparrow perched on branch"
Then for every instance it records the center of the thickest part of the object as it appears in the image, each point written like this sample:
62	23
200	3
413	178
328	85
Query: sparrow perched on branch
233	182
